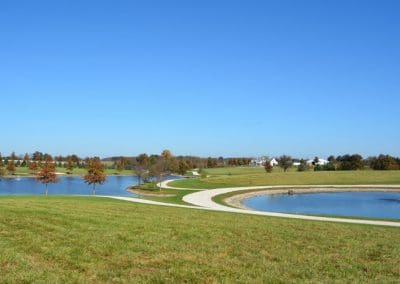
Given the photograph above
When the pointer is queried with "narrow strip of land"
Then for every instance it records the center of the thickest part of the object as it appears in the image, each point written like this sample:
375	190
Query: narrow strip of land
203	200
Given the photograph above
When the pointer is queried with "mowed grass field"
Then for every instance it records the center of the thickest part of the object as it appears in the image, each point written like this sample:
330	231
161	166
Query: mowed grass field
249	176
99	240
24	171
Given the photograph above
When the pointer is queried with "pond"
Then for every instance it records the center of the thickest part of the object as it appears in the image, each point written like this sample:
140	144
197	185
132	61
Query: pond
73	185
357	204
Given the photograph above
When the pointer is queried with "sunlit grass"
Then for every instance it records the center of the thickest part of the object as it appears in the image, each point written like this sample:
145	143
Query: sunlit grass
233	177
98	240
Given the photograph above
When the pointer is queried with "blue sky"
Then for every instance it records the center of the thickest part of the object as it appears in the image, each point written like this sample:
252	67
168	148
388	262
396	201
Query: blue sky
230	78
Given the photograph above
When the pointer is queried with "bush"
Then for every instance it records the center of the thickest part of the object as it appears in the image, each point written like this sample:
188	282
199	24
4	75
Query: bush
327	167
268	168
302	167
350	162
318	168
384	162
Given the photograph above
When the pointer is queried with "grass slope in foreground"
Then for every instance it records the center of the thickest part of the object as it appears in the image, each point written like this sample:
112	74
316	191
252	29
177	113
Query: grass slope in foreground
234	177
88	239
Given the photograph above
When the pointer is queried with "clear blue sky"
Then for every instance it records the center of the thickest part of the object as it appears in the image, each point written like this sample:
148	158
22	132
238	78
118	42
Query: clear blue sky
230	78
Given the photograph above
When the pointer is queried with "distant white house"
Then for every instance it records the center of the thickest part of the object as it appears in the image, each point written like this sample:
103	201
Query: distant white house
261	161
296	164
273	162
321	162
258	162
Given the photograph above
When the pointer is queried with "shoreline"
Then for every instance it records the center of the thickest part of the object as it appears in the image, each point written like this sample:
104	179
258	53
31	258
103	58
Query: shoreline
140	192
60	174
236	200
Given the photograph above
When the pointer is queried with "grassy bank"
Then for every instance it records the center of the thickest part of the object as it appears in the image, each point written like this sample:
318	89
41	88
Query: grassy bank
24	171
233	177
71	239
150	191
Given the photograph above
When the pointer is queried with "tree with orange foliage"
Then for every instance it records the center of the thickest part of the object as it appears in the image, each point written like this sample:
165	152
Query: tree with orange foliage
70	166
26	160
2	170
95	173
47	173
33	167
120	165
11	167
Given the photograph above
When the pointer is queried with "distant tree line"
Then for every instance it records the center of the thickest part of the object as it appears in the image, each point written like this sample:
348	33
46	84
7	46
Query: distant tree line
179	164
150	167
357	162
348	162
145	167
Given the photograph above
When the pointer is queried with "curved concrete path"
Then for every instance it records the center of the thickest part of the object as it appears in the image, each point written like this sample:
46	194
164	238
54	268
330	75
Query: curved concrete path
164	184
203	200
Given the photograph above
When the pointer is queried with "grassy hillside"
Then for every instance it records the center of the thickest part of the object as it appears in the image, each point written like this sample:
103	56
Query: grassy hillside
88	239
231	177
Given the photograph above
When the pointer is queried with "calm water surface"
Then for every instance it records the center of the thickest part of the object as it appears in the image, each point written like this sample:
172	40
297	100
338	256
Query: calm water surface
361	204
115	185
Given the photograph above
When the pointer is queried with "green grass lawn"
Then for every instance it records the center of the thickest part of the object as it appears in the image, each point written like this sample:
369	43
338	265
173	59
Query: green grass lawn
24	171
247	176
96	240
176	198
151	188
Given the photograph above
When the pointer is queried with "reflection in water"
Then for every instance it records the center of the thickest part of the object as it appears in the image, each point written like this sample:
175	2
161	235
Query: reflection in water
114	185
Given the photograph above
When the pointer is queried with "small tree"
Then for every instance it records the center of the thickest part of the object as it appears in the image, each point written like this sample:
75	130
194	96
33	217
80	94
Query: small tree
268	167
120	165
13	156
2	171
26	160
303	166
166	154
384	162
70	166
141	167
95	173
11	167
162	166
285	162
156	171
33	167
140	172
182	167
47	173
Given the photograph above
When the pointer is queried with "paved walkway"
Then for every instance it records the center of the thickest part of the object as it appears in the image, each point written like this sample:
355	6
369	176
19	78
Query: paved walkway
164	184
203	201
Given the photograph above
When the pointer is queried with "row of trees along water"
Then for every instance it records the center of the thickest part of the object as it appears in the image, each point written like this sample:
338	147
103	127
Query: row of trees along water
45	171
339	163
175	164
146	167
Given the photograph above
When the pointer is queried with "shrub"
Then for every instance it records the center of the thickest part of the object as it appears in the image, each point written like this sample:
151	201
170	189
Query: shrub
384	162
302	167
268	167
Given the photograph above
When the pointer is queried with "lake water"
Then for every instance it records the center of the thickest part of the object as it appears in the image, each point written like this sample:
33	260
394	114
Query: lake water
114	185
361	204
